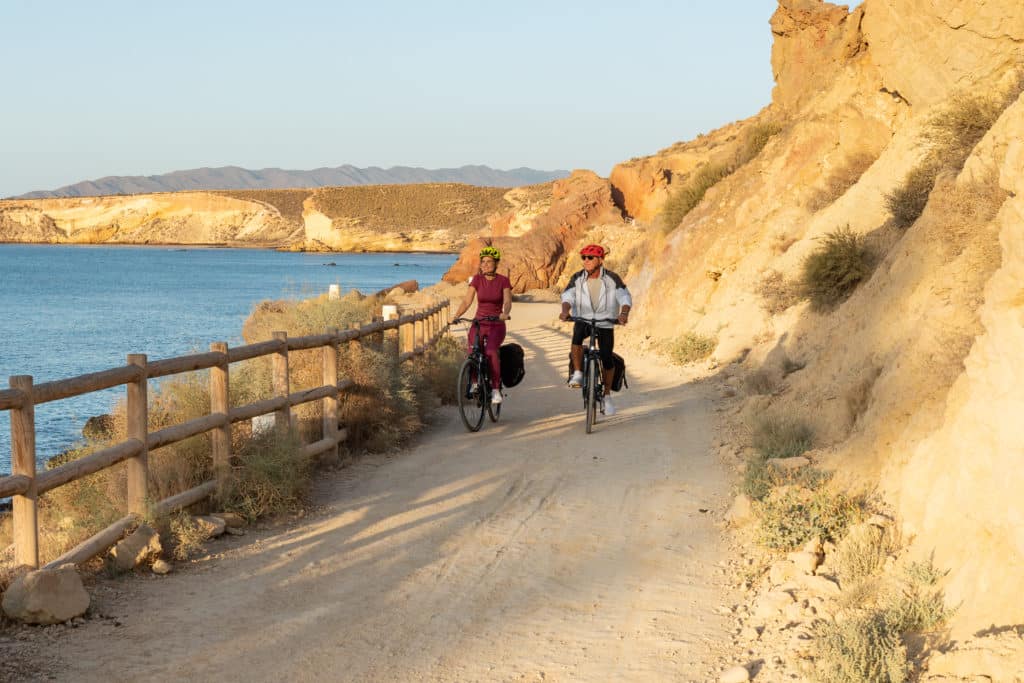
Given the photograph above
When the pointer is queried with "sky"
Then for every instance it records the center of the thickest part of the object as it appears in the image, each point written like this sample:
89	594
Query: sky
91	89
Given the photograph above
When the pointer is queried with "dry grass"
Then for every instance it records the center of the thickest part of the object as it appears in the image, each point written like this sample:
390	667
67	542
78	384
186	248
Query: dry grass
689	348
780	436
186	535
906	203
777	294
269	476
861	553
683	200
760	382
460	208
841	179
833	271
287	202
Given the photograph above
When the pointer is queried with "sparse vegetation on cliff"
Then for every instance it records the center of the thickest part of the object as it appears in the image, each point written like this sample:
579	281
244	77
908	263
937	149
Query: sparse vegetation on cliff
287	202
689	348
833	271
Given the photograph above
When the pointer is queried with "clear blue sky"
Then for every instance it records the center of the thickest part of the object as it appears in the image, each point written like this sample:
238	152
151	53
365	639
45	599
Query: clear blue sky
136	88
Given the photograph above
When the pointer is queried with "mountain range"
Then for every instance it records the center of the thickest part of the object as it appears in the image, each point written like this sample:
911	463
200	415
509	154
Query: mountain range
236	178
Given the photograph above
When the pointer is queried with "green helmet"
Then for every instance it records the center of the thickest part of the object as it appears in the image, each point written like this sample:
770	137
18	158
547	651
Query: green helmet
493	252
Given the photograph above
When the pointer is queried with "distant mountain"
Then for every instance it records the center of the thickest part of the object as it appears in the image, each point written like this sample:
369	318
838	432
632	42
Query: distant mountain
235	178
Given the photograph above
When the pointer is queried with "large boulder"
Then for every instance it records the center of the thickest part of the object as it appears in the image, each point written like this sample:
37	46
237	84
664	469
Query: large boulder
46	596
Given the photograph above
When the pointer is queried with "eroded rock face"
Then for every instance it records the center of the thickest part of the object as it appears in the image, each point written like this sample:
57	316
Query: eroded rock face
536	259
46	596
925	49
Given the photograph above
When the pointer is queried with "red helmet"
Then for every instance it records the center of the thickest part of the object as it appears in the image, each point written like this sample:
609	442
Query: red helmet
593	250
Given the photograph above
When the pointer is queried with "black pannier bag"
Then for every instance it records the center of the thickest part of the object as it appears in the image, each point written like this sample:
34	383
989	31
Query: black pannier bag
619	378
512	367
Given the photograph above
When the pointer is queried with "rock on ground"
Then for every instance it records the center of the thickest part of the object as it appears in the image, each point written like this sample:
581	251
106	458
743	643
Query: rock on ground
47	596
142	546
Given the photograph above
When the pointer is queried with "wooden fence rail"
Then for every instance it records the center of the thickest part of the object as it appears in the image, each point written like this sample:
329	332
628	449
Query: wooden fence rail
414	335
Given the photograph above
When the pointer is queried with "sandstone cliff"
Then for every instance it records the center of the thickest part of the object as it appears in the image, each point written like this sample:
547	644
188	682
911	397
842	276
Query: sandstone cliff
912	382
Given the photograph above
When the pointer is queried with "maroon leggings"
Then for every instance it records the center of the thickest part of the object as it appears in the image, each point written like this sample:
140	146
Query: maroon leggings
494	333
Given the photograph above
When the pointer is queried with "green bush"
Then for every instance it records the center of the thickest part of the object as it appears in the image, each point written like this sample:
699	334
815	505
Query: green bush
792	515
866	647
689	195
833	271
690	348
860	554
778	436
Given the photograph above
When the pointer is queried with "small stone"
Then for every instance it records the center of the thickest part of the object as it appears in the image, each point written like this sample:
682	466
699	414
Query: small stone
162	567
235	531
782	571
741	512
813	546
737	674
749	633
820	585
881	521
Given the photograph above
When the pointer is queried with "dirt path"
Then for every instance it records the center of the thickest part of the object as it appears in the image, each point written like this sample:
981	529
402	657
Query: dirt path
528	551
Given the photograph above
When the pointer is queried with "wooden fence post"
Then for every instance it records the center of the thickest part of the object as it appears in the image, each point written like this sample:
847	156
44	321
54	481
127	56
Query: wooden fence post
330	403
283	416
23	461
138	428
220	437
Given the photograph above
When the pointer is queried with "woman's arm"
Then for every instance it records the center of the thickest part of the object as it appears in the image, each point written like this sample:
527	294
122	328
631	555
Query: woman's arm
467	301
506	303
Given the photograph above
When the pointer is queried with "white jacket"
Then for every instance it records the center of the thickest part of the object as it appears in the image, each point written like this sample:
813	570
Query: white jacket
613	295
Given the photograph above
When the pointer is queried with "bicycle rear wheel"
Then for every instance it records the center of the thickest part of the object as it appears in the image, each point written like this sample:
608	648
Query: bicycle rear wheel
591	384
471	405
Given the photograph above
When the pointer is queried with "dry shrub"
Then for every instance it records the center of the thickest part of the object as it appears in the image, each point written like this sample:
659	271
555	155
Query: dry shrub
951	135
833	271
683	200
779	436
861	553
689	348
870	645
287	202
865	647
760	382
441	375
754	140
792	515
269	476
841	179
186	535
777	294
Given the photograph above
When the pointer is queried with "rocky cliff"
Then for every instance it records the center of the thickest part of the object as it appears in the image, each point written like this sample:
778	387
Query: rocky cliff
426	217
912	382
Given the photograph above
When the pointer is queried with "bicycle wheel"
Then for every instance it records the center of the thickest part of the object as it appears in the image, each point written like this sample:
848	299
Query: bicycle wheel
590	380
471	406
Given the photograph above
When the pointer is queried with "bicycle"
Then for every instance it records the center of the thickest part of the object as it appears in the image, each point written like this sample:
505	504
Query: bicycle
593	375
475	401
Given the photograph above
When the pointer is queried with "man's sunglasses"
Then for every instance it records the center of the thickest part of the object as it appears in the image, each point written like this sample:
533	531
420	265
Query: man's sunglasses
588	257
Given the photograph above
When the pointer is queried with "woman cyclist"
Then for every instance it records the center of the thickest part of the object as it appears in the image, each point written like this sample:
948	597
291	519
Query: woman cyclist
494	298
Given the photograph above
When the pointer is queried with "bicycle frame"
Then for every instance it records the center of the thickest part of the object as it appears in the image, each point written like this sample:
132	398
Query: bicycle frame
593	373
476	364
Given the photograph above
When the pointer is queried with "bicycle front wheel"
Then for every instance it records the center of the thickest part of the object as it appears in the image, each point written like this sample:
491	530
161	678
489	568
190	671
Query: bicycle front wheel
493	410
591	384
471	404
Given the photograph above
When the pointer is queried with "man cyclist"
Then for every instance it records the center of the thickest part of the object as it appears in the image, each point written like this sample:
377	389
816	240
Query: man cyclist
595	293
494	298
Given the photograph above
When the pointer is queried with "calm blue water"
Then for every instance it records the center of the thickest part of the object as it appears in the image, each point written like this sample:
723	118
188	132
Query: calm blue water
65	311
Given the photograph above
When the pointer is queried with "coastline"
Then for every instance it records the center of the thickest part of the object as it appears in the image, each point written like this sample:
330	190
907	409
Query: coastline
223	245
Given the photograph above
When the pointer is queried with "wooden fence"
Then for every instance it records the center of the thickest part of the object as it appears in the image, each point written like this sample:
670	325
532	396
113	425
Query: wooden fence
415	334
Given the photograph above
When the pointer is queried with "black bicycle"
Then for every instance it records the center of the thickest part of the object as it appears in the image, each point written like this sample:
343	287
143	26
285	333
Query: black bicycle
474	388
593	377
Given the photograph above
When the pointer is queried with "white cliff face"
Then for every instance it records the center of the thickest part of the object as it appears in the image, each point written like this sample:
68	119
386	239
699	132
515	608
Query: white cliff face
962	489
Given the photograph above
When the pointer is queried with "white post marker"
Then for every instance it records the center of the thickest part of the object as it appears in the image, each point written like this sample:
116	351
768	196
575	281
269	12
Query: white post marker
389	311
334	292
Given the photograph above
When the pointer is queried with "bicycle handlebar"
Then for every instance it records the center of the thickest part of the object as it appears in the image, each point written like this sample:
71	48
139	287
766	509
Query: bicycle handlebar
486	318
592	321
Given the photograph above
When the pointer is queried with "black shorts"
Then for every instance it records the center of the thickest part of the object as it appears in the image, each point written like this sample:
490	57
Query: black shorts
605	341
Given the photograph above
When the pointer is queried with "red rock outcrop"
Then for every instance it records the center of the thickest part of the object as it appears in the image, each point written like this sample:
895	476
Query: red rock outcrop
535	259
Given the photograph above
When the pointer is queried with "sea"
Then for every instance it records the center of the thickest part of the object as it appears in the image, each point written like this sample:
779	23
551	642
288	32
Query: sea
70	310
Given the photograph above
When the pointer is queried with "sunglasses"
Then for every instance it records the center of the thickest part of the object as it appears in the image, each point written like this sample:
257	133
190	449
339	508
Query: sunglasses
590	258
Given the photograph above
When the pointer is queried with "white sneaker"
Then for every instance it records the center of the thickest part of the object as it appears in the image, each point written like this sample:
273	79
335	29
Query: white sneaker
495	398
609	407
576	381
